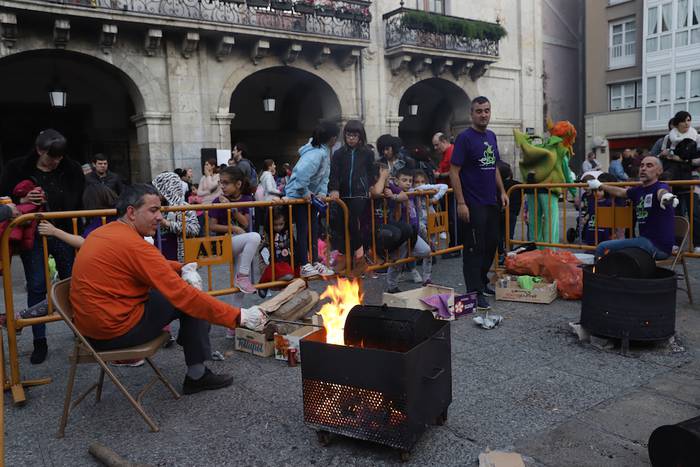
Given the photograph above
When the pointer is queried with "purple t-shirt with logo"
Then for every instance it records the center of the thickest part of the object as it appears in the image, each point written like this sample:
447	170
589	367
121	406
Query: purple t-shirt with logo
654	223
477	153
221	215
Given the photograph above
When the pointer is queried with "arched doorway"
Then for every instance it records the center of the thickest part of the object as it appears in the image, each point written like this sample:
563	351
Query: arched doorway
430	106
95	119
301	100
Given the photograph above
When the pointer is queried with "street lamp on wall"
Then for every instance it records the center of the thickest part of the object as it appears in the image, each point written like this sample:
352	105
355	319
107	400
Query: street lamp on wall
412	109
269	102
58	97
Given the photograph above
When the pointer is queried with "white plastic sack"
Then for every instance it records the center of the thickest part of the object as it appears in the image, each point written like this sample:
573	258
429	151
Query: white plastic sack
191	276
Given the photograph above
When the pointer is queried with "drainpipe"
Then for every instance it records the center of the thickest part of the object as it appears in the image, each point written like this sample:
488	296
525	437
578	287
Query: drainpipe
360	84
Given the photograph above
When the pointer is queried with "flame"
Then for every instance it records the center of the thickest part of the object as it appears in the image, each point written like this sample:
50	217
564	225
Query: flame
344	296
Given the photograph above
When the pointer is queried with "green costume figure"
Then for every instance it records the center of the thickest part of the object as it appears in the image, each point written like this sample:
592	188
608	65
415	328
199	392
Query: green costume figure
547	162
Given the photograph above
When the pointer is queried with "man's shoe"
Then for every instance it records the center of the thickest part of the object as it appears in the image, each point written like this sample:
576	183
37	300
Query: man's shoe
41	349
129	363
488	290
482	303
209	382
394	290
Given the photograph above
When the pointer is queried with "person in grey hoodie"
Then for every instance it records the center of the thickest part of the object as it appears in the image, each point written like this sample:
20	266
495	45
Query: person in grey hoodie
310	178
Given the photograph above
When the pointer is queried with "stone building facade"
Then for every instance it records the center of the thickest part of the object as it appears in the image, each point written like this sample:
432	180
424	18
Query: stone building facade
153	82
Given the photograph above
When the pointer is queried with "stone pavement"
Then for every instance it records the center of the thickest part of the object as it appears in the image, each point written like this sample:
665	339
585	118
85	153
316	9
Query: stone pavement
527	386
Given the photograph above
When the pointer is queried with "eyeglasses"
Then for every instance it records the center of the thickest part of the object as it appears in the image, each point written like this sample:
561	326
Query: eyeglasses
352	135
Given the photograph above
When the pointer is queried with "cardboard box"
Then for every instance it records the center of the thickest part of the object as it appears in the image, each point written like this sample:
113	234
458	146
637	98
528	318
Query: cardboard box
507	288
412	299
291	341
465	304
253	342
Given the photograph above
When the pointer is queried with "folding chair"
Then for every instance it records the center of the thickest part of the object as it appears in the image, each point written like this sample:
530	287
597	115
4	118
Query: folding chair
681	231
83	352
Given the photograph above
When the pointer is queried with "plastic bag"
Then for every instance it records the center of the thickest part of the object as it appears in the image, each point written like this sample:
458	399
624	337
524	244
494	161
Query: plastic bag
560	266
191	276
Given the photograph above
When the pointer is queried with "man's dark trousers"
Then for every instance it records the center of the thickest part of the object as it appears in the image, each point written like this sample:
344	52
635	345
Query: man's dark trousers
480	239
158	312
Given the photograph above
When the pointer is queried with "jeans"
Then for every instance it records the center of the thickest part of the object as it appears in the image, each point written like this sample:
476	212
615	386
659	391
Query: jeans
158	312
301	217
480	239
638	242
33	262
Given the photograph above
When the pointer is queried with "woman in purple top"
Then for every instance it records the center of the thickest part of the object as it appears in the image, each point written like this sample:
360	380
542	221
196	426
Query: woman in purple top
652	200
244	243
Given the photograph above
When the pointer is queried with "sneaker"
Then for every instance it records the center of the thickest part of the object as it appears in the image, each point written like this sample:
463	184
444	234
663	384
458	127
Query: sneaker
129	363
482	303
488	290
244	284
230	333
262	293
253	318
427	282
394	290
323	270
286	277
696	250
674	250
41	349
308	271
415	275
210	381
35	311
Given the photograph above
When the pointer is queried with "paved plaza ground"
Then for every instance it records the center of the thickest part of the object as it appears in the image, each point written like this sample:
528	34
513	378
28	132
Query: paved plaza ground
528	386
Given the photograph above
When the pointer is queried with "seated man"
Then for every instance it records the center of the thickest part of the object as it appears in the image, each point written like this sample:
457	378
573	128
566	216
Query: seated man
651	198
124	291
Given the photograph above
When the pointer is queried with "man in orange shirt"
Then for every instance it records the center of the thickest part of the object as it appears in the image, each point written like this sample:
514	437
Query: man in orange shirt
124	291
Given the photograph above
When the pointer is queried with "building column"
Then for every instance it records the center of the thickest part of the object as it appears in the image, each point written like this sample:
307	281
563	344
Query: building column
221	124
154	136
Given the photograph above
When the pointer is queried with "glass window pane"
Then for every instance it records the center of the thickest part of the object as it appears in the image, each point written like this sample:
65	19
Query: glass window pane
629	102
695	84
615	104
666	17
695	34
665	88
666	42
694	108
681	38
695	13
678	106
653	21
651	90
680	86
653	44
664	113
615	91
650	114
682	17
638	102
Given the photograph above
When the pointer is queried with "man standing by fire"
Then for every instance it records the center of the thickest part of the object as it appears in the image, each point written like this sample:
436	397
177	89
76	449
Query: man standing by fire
651	200
479	192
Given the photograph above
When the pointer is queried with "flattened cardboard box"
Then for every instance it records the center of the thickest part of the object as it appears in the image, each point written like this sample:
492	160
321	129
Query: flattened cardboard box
253	342
509	290
412	299
291	341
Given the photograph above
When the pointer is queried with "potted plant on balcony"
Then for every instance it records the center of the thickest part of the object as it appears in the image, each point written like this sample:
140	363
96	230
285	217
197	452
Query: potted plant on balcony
325	8
258	3
434	23
305	7
363	14
344	12
284	5
238	2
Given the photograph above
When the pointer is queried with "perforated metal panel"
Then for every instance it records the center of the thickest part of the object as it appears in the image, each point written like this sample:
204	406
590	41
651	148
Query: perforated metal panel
358	413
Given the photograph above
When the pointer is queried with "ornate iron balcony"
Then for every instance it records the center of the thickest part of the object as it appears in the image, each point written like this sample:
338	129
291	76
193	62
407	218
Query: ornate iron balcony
343	19
402	33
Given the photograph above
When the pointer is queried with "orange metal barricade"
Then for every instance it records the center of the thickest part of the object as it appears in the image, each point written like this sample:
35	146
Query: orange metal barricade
614	217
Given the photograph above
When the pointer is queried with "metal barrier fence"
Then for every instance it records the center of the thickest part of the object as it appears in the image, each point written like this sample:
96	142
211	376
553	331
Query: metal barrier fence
544	230
437	225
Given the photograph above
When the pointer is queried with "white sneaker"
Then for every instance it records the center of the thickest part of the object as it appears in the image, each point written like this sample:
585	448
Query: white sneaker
696	250
253	318
323	270
417	279
308	270
674	250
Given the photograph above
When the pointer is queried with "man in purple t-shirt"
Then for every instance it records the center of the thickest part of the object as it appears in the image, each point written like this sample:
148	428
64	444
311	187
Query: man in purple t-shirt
651	200
479	192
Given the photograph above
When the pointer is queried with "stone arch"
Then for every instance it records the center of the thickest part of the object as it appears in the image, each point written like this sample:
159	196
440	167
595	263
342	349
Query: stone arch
102	99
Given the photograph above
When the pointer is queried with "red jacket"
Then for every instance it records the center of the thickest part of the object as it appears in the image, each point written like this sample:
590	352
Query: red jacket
23	236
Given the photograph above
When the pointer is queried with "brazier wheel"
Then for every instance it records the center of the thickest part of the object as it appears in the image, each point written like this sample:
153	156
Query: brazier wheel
405	455
324	437
441	419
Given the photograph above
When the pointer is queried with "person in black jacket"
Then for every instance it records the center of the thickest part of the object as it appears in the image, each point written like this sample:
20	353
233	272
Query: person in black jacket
102	175
352	175
393	155
60	183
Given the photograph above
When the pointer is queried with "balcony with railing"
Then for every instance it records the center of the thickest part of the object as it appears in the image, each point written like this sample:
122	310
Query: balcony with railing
334	19
440	37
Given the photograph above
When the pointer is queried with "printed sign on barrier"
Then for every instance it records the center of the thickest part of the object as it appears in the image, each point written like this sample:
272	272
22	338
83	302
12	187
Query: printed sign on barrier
209	251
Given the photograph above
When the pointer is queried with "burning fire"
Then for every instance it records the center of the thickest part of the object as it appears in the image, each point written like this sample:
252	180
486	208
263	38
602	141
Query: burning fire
344	296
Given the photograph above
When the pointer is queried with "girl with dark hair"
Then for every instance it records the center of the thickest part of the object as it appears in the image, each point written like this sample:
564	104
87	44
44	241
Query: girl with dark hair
352	174
209	188
234	187
310	178
267	188
390	154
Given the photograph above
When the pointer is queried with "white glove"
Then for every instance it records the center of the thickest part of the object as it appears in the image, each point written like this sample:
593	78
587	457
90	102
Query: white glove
191	276
669	199
253	318
594	184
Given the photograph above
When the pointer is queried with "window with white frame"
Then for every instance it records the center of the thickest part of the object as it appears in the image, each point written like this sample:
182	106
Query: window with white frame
687	22
659	27
622	43
667	94
435	6
625	96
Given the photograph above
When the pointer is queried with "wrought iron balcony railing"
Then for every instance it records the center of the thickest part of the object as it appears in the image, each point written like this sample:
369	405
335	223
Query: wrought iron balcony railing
342	19
400	32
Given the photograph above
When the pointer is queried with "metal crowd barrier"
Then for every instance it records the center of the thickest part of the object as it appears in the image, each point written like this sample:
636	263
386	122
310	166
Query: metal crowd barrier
616	217
438	223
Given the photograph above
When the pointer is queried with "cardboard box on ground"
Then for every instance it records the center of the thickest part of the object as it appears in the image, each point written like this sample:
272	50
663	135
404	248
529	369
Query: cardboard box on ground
458	305
508	289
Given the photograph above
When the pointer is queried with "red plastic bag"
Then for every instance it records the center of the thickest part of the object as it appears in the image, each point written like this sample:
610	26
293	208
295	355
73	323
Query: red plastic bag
560	266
